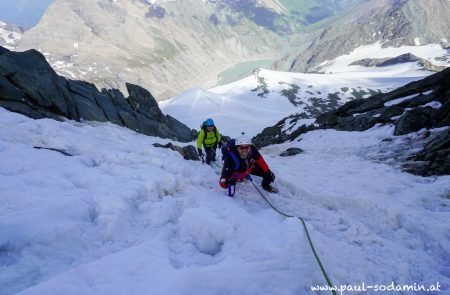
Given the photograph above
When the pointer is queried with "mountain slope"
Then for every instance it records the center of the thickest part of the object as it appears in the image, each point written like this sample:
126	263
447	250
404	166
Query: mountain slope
420	110
168	46
165	47
9	34
266	97
390	22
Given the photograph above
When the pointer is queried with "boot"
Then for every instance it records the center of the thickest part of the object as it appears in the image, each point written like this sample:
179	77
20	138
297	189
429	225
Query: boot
269	188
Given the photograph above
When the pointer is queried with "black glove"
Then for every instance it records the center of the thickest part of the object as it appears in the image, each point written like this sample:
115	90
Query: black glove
220	144
270	175
231	181
200	153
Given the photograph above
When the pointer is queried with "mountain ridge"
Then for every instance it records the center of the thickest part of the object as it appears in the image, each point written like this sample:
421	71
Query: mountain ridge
390	22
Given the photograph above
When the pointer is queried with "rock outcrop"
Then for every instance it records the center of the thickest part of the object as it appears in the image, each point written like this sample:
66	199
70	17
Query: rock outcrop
291	152
188	152
420	105
279	134
385	62
28	85
417	105
403	58
434	159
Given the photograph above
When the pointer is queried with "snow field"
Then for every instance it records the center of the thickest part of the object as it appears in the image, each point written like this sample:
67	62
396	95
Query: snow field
429	52
236	108
122	215
389	225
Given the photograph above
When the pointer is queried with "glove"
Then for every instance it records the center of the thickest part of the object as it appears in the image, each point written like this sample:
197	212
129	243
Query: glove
270	175
224	182
220	144
200	153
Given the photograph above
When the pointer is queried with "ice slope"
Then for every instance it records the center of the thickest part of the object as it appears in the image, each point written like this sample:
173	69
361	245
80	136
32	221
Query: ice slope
121	216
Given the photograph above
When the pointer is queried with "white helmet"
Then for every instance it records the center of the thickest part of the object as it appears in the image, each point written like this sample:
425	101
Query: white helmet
242	139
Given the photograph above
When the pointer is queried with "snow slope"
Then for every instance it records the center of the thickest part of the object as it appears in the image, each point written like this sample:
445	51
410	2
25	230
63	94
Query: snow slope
121	216
433	53
9	35
265	97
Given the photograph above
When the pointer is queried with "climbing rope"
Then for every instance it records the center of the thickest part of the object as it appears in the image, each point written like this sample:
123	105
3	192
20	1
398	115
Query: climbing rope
217	164
327	278
332	288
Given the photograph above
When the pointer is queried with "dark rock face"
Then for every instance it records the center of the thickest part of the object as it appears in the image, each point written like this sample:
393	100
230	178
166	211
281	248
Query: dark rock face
279	134
404	58
413	121
291	152
421	104
383	62
182	131
28	85
188	152
434	159
412	113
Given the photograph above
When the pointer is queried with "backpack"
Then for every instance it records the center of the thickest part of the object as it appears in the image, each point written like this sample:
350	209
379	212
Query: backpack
228	147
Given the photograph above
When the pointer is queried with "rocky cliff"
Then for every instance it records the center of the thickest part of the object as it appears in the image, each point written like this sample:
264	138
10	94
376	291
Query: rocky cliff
28	85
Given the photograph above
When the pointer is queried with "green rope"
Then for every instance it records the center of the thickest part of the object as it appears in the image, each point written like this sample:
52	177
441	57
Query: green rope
307	235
